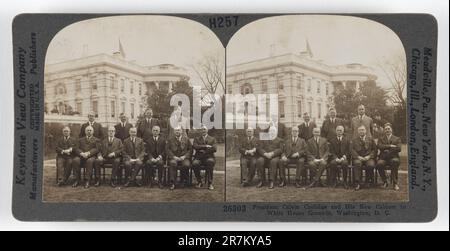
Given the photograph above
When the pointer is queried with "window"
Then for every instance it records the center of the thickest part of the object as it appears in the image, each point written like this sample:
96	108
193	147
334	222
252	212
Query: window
140	89
299	109
281	109
132	87
319	110
122	108
318	87
141	109
122	86
247	90
79	108
299	83
230	89
309	85
280	83
78	86
132	110
61	90
113	109
327	89
94	83
310	108
264	86
95	108
111	84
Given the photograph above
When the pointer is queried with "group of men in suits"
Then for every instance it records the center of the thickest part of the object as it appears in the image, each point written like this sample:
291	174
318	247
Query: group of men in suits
315	149
141	148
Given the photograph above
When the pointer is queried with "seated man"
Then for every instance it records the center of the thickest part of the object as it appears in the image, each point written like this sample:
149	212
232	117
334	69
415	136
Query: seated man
390	147
156	152
133	156
65	152
205	146
247	148
269	152
86	152
318	154
179	152
363	153
340	156
110	153
294	153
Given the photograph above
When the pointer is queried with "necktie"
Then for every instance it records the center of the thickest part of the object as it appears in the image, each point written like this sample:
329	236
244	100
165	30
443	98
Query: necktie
110	140
156	139
66	138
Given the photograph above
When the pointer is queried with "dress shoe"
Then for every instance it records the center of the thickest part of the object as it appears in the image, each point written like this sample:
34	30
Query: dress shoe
312	185
298	184
61	183
138	184
396	187
172	187
346	187
211	187
271	185
260	184
113	184
385	185
97	184
128	184
87	185
282	184
358	187
161	185
76	184
245	184
199	185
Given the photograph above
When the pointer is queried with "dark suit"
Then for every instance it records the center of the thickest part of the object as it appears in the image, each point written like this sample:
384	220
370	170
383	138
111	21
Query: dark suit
268	146
133	150
317	150
328	129
107	147
64	160
179	148
366	121
90	145
364	148
204	156
123	132
144	128
156	149
248	162
306	132
98	130
339	149
389	156
291	147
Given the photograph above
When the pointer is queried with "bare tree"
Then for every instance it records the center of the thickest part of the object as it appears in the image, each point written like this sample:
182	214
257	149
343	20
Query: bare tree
395	71
211	72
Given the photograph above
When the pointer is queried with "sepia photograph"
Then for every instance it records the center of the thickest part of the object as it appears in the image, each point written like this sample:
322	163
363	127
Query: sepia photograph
112	130
334	128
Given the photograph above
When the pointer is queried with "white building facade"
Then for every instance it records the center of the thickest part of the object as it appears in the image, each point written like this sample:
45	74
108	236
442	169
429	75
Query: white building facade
106	85
302	83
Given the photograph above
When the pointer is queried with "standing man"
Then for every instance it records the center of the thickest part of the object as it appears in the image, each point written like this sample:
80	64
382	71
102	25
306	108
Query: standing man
248	149
390	147
110	153
340	156
269	152
306	129
145	126
134	153
123	128
295	151
318	153
328	130
156	151
97	127
362	120
205	146
179	152
65	152
86	152
364	152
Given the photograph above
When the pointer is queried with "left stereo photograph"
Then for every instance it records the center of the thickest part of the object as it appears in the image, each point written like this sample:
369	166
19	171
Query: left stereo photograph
119	94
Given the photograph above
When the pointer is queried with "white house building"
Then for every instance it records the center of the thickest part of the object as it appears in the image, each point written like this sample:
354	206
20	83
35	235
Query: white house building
106	85
302	83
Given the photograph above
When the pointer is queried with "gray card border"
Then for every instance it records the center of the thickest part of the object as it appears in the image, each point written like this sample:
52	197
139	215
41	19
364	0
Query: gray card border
416	31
